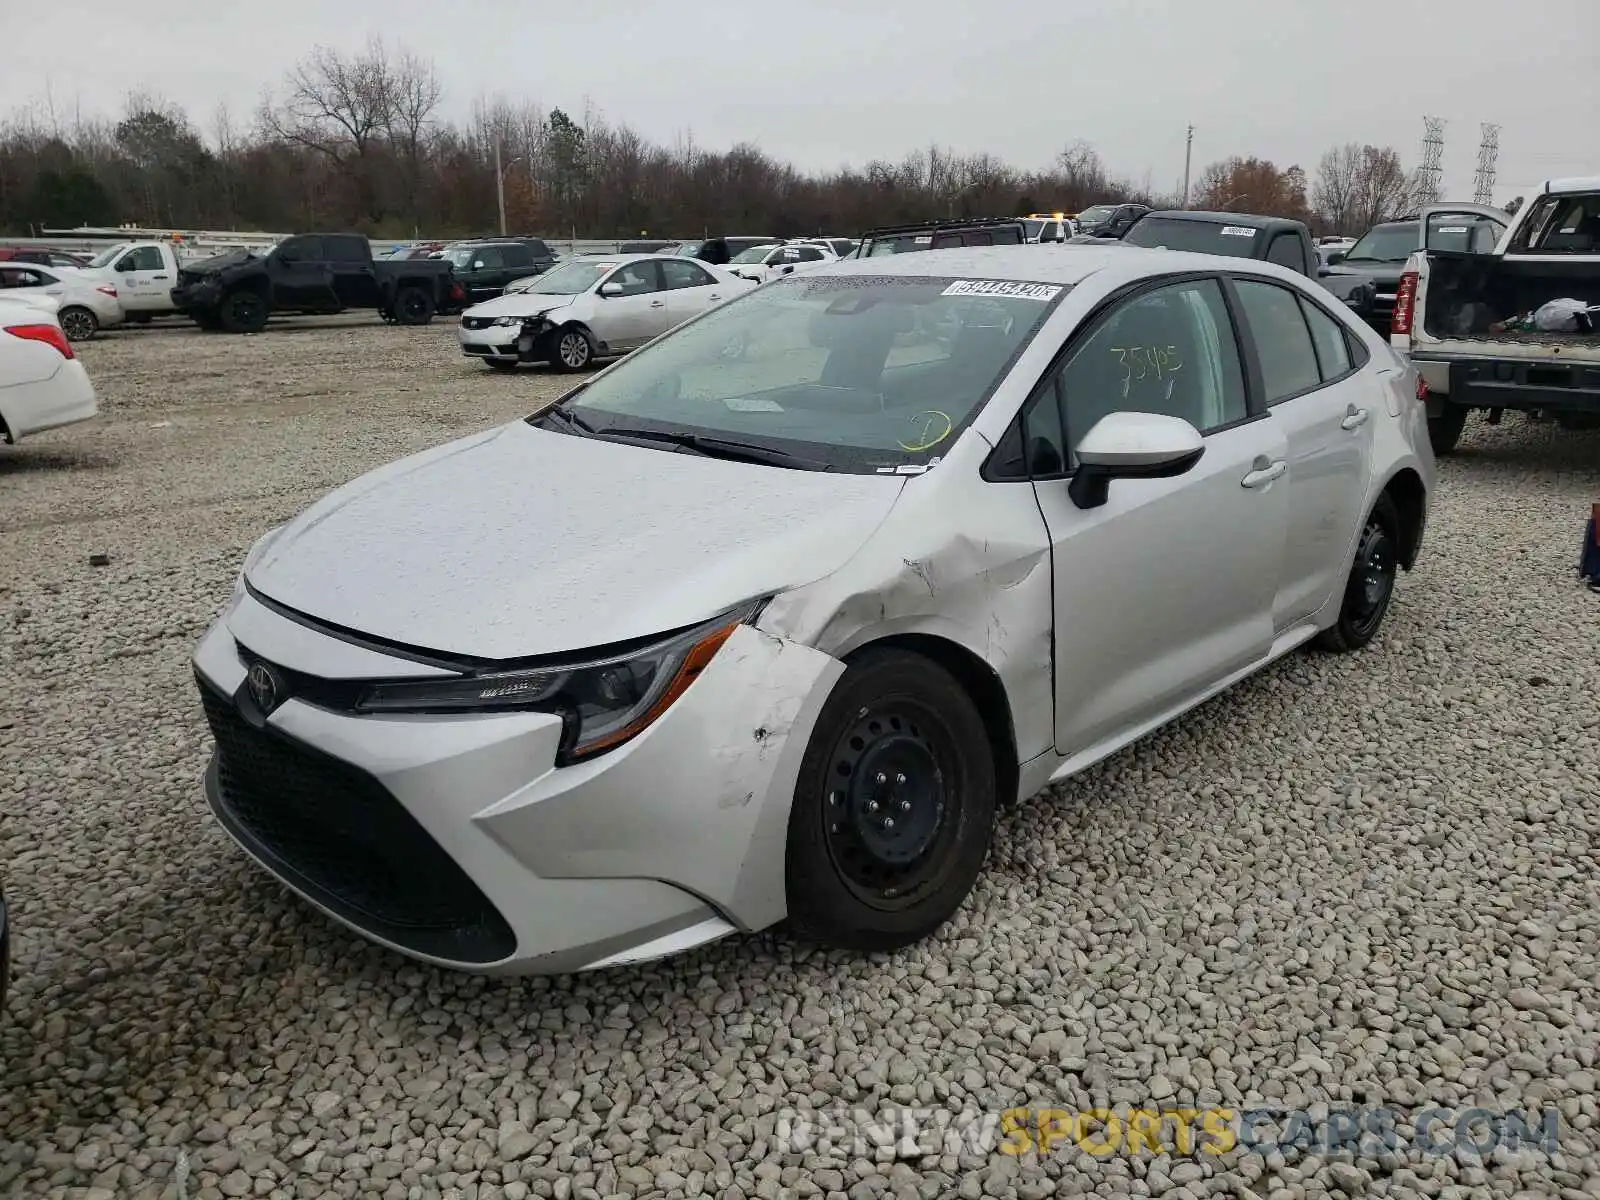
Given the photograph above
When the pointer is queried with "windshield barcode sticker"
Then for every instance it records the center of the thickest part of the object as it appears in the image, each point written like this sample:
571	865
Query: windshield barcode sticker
1001	287
1451	229
1238	231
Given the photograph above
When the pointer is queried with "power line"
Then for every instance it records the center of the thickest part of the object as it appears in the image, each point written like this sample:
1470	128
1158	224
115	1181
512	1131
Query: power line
1488	152
1432	169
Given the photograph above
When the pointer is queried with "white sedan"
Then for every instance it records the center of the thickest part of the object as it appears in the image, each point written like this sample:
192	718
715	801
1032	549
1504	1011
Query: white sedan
87	304
761	263
709	644
42	382
591	308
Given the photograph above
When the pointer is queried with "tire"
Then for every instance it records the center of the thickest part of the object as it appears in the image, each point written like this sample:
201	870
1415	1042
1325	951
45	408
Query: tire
243	312
853	882
1444	431
413	306
502	364
571	348
78	323
1370	586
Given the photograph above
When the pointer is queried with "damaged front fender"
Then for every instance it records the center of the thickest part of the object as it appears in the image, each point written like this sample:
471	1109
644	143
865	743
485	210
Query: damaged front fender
958	559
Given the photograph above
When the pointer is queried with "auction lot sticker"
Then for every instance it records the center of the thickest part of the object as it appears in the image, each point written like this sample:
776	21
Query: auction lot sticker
1003	287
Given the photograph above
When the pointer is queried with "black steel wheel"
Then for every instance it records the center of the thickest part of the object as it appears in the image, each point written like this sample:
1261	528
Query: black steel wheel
244	312
413	306
894	806
1370	586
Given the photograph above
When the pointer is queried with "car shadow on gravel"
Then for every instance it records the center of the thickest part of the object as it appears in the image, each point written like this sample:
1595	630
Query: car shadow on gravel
20	461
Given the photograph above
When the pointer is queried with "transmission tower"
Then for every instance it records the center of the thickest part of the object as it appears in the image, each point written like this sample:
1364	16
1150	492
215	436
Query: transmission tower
1429	173
1488	151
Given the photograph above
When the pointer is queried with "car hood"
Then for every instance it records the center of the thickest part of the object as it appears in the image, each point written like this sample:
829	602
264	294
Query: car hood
518	304
217	262
522	542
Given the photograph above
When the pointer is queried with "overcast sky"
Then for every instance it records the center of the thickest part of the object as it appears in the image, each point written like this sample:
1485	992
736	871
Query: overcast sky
822	83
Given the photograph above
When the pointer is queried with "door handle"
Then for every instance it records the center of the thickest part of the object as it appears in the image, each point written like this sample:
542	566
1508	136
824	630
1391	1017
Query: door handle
658	304
1354	418
1265	472
714	297
158	277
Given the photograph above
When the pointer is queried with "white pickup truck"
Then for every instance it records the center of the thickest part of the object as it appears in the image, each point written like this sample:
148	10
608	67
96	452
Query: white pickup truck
144	273
1455	317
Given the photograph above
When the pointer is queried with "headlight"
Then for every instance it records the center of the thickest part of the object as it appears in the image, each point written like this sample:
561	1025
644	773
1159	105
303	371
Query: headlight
509	321
603	702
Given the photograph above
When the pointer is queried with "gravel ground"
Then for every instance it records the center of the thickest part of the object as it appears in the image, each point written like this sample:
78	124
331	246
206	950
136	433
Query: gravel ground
1366	880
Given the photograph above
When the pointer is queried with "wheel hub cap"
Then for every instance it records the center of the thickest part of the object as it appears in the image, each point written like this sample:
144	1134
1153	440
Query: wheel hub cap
887	804
1374	573
573	350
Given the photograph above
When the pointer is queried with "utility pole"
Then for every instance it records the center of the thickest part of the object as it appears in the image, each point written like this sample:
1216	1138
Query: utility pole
500	186
1188	153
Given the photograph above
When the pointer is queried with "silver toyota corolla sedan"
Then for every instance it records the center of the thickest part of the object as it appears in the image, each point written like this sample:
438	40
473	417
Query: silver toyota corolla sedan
723	638
589	308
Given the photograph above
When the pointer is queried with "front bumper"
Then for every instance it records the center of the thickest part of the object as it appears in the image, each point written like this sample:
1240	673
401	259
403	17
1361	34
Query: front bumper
204	293
456	840
508	343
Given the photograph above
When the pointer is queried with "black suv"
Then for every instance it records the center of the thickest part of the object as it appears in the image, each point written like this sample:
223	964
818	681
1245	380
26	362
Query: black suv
483	268
718	251
942	235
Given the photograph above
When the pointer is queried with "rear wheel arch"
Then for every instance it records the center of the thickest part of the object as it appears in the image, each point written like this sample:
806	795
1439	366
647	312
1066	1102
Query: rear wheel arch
1410	498
979	680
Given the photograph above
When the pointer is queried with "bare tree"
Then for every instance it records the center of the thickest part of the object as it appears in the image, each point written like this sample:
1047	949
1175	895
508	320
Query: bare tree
1383	189
413	97
339	108
1333	196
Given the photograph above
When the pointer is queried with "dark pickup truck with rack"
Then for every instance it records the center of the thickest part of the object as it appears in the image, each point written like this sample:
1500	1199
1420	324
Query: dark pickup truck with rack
942	235
1244	235
312	273
1471	323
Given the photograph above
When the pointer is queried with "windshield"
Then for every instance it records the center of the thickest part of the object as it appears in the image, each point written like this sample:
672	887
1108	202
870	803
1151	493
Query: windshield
1202	237
903	244
569	278
103	259
753	255
1385	243
1035	229
867	374
1098	213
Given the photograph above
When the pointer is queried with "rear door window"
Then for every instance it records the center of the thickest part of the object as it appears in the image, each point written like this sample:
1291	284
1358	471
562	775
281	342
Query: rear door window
345	248
517	255
1283	341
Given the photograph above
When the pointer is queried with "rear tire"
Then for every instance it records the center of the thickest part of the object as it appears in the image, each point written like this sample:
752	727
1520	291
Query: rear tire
1370	585
1444	431
893	808
78	323
243	312
413	306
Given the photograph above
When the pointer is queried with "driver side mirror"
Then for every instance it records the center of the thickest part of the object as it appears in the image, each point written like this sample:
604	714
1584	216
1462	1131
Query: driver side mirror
611	289
1336	258
1132	445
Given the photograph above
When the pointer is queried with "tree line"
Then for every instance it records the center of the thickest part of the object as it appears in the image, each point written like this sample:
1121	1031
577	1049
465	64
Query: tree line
357	141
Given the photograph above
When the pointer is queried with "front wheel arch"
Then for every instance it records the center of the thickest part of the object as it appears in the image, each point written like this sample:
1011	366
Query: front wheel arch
978	679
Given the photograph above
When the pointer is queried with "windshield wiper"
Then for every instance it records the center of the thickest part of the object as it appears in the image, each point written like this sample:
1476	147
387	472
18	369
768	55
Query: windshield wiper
715	447
573	422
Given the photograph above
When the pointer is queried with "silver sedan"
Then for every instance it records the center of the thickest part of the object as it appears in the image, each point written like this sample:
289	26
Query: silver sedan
716	641
591	308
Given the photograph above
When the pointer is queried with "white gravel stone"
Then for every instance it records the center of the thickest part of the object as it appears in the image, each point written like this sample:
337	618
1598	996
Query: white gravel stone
1353	880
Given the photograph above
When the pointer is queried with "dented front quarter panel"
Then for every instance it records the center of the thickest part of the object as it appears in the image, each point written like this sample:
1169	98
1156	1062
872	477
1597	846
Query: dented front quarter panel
959	559
700	800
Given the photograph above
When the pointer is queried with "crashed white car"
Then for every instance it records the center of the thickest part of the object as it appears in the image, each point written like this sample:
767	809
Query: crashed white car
710	643
42	381
591	308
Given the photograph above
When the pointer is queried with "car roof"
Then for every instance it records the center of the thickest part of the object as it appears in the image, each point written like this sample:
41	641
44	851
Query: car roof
1249	220
1021	263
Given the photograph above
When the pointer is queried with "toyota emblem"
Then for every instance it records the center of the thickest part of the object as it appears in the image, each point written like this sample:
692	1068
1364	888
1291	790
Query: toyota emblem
263	685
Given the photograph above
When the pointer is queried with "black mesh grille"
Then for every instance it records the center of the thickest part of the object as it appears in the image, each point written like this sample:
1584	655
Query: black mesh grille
337	834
